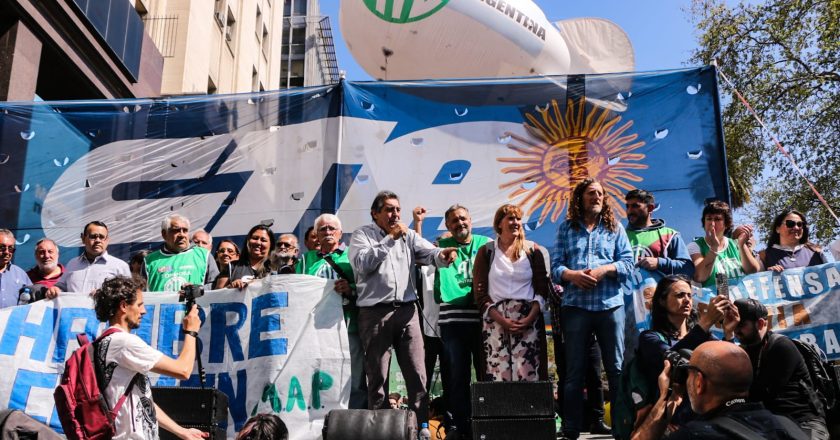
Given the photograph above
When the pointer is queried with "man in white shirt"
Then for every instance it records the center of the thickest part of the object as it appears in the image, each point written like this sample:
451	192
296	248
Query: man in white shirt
122	356
86	272
383	255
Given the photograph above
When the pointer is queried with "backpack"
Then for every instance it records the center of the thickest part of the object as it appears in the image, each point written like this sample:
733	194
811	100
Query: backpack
80	404
634	392
821	372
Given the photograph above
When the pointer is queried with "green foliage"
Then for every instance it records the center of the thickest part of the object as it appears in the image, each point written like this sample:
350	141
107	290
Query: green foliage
783	57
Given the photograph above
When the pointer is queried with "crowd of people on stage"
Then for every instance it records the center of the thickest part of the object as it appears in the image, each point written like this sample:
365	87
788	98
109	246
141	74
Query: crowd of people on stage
489	295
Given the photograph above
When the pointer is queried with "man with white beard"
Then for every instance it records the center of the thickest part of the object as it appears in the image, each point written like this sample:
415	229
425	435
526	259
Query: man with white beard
285	254
47	269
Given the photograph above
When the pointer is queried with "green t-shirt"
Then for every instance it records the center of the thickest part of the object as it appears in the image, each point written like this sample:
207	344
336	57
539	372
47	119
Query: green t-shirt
314	264
453	284
727	262
166	272
650	243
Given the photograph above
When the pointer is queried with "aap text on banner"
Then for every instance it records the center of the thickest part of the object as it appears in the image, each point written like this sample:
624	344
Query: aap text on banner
278	346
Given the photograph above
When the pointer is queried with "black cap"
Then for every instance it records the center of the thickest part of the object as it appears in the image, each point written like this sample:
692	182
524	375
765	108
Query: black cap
751	309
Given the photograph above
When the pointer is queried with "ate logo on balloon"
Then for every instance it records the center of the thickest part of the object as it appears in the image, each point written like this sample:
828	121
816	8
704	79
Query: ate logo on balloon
406	11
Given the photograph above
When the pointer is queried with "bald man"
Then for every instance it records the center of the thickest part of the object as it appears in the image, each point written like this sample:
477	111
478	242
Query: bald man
719	379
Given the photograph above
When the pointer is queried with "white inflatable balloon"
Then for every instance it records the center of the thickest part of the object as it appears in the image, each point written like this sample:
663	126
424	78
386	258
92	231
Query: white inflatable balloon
423	39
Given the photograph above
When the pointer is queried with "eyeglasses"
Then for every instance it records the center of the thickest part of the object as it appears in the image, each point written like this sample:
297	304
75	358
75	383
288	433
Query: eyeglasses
96	237
283	245
681	295
693	368
9	249
790	224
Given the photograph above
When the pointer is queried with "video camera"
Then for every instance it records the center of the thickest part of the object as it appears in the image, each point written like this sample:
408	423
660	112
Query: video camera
190	292
679	365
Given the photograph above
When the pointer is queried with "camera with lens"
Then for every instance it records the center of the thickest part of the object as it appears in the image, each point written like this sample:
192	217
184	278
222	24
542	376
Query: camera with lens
29	294
191	292
282	263
679	365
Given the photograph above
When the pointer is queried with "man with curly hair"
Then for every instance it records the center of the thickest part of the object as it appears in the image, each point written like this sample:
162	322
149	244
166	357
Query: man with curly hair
592	260
123	360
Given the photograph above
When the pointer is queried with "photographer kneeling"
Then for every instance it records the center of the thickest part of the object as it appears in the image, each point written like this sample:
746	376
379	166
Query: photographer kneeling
717	381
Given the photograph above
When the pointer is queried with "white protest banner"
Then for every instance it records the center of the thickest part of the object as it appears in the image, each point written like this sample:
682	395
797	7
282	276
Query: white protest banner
802	303
279	346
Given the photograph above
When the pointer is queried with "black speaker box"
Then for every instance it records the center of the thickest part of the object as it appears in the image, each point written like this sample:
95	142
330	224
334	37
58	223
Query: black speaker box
216	432
364	424
512	399
514	429
193	406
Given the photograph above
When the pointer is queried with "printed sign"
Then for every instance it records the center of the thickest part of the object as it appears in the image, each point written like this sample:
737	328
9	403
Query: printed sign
279	346
801	303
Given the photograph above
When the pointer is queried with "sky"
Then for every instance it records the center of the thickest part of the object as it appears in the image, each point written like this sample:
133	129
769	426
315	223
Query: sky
660	30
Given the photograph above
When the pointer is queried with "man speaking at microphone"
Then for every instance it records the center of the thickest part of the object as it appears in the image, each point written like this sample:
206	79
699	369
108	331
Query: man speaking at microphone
383	255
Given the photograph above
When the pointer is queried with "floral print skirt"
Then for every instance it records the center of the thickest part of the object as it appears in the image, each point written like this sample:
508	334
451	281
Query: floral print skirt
511	357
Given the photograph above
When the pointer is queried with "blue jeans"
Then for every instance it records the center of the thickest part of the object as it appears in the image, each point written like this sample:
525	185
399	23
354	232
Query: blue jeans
578	326
462	351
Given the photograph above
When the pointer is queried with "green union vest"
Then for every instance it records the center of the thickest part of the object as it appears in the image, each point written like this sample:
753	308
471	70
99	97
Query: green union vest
453	284
727	262
167	272
313	264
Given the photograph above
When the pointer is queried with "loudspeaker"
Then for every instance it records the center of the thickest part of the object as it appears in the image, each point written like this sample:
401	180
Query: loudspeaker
512	399
205	409
364	424
514	429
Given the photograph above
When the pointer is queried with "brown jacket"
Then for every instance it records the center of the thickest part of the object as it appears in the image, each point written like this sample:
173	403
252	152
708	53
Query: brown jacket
481	270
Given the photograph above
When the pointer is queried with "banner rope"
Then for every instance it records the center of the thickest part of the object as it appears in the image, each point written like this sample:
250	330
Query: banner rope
779	145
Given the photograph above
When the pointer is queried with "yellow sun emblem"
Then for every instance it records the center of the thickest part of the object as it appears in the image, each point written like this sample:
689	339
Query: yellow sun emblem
569	148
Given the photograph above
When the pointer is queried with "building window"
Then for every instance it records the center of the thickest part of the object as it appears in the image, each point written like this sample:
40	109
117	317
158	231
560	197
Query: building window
266	42
259	24
291	74
219	13
211	86
230	29
255	80
294	7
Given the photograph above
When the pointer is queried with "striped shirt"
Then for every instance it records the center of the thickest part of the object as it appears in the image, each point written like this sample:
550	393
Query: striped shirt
450	314
85	276
579	249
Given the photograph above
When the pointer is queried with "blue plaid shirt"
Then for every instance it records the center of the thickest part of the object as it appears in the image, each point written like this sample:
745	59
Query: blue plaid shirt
581	249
